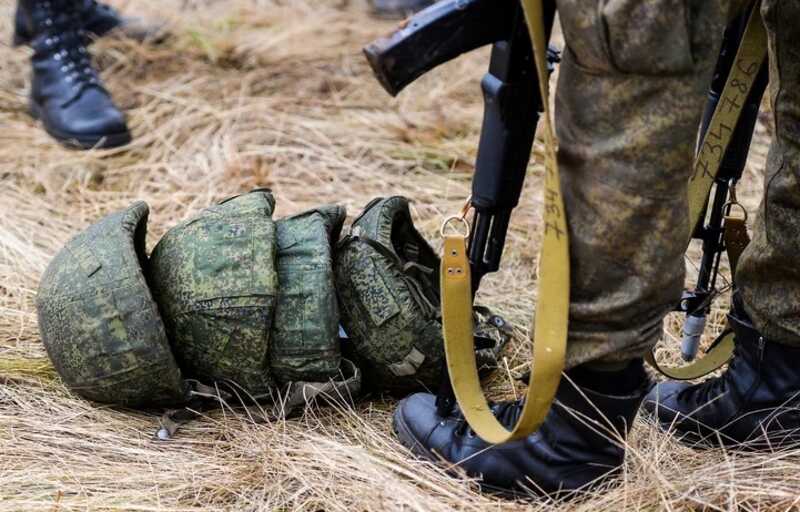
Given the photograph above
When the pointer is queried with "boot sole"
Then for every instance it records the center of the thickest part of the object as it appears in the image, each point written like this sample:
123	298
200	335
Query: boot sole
83	142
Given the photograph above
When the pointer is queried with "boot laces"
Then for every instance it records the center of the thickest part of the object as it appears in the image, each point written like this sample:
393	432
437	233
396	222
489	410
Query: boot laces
66	39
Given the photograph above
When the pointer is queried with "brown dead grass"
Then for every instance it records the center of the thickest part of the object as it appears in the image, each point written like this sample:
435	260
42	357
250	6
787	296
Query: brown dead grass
275	93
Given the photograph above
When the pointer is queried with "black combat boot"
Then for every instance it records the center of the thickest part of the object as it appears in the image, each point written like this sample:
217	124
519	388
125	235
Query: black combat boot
398	9
97	19
754	404
66	92
579	444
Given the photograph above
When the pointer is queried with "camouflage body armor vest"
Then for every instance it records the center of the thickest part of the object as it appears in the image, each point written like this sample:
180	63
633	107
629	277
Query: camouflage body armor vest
388	288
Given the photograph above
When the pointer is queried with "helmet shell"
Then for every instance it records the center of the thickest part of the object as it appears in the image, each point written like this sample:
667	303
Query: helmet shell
305	336
214	278
99	322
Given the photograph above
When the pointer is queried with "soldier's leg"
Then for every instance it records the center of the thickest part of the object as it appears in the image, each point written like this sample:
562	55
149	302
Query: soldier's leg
756	399
67	95
769	273
631	91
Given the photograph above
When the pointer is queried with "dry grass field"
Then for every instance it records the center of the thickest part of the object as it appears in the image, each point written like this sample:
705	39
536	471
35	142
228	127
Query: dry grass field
275	93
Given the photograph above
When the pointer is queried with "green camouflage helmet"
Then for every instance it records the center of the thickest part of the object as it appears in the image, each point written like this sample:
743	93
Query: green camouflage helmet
387	280
305	335
214	278
98	320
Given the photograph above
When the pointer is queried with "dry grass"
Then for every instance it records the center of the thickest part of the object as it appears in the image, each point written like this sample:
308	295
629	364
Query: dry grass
274	93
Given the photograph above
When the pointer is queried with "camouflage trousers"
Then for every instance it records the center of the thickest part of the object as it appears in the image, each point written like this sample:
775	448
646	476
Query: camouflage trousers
631	90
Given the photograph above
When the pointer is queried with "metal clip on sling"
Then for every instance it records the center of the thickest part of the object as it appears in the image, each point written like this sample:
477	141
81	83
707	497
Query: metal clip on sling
512	108
448	226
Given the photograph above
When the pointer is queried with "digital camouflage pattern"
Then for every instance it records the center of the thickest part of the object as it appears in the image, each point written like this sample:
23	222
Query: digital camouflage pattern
215	279
305	336
631	91
98	320
769	275
387	282
632	86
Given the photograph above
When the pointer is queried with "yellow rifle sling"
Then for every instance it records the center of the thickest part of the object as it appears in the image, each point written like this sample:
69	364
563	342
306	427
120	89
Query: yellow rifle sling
719	355
749	59
552	310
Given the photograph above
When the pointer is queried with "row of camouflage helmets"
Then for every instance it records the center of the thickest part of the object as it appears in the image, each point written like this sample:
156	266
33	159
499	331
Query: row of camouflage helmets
265	310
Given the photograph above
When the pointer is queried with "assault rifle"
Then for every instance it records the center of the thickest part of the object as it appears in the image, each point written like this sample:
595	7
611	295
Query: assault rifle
513	106
710	230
